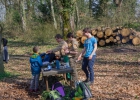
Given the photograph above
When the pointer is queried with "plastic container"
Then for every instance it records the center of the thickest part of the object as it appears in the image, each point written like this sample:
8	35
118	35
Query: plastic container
49	67
67	65
66	61
68	75
57	64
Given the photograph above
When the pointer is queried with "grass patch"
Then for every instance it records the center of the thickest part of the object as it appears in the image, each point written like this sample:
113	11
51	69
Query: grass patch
7	75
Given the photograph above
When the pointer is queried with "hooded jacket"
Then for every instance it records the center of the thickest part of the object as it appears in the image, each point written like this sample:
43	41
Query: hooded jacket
36	63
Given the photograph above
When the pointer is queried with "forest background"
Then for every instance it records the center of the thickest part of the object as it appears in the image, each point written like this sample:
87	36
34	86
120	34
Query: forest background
26	23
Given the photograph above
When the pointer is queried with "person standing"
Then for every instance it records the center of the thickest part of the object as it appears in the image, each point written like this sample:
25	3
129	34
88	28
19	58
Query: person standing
36	64
72	51
5	50
89	52
59	50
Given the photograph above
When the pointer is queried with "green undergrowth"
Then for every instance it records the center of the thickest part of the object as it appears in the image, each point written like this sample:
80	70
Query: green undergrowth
7	75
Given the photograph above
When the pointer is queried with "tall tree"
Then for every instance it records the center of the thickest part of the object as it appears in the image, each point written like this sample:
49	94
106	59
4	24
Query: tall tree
1	54
23	16
65	14
76	15
53	15
30	8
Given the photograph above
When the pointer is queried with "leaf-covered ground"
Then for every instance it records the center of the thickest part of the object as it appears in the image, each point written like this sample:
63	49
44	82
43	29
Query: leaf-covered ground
117	74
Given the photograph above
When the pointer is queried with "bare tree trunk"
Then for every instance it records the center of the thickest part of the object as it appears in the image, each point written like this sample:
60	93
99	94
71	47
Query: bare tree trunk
72	22
72	15
53	15
66	23
1	54
59	6
6	7
30	8
76	15
23	16
65	15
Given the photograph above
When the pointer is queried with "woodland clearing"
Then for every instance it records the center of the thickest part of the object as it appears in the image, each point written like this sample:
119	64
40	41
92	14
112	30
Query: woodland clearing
117	73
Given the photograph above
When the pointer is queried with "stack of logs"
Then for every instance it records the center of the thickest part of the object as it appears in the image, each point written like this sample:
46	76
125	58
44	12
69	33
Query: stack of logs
112	36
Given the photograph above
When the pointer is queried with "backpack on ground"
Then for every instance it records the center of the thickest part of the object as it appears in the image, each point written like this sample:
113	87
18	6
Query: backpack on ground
54	95
82	90
59	87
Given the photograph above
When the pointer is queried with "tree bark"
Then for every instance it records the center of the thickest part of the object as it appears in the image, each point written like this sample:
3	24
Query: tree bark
65	13
1	54
53	15
23	16
66	24
72	16
76	15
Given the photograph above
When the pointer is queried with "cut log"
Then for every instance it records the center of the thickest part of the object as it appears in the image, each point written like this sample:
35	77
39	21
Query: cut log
119	31
138	34
101	42
111	38
117	38
100	34
105	36
115	33
94	32
125	32
131	36
125	39
114	40
108	31
83	38
133	31
114	28
119	42
79	33
136	41
107	41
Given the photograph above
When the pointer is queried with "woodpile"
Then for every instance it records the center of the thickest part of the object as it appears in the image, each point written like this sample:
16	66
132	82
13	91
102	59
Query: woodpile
112	36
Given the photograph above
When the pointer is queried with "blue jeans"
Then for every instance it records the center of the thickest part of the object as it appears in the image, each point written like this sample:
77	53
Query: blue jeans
34	82
5	53
87	67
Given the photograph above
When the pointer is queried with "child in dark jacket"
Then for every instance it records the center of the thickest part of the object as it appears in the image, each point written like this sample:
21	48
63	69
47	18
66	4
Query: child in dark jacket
36	64
5	50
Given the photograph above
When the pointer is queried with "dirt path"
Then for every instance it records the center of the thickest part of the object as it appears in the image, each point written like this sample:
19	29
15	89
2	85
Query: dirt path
117	76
